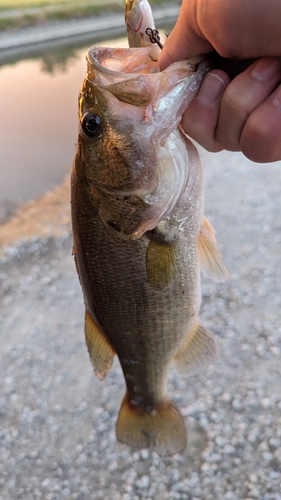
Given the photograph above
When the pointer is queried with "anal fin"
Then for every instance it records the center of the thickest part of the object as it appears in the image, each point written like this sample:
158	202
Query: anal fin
198	351
210	258
100	351
160	427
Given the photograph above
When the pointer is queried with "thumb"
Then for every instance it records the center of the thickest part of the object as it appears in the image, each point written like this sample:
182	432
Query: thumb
183	42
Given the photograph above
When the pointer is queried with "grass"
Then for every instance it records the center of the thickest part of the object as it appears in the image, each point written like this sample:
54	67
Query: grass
28	4
21	13
57	4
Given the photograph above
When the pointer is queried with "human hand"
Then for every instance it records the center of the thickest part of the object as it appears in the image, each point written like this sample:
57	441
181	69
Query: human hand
243	114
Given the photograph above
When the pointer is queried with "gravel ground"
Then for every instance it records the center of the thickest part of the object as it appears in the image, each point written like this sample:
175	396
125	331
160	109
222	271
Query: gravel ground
57	421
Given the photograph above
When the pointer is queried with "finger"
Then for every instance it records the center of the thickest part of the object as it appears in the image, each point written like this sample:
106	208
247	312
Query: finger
247	91
238	29
260	139
200	119
183	42
230	66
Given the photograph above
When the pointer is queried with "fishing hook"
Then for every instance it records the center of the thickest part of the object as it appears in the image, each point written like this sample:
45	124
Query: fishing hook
154	36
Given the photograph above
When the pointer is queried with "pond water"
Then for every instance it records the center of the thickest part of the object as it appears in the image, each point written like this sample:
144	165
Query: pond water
38	120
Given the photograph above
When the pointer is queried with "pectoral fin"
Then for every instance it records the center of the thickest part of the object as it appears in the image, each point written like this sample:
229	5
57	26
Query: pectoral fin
210	258
161	260
100	351
198	351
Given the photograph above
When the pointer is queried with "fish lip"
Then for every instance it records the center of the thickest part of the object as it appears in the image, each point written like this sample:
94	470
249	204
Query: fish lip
96	54
92	58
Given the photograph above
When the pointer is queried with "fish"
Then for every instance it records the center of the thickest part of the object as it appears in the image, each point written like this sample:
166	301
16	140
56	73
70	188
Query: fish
140	237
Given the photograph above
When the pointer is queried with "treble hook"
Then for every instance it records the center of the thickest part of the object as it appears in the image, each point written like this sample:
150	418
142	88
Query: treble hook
154	36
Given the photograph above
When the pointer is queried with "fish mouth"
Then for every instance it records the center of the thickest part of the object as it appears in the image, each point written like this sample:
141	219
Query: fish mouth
119	64
131	76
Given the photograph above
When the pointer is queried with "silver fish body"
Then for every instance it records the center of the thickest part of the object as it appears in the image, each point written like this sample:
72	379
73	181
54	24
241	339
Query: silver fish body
140	236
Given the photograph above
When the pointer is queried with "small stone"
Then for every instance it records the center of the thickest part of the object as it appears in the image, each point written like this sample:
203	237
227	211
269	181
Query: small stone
229	449
275	443
275	350
263	446
221	441
230	495
205	467
253	478
267	456
266	403
237	404
175	475
45	483
215	457
143	482
144	454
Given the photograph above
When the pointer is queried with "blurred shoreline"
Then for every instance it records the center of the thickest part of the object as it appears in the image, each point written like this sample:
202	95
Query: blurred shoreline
41	219
58	33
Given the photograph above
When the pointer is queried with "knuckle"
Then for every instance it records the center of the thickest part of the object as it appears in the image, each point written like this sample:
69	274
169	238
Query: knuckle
227	135
235	101
256	127
258	142
227	47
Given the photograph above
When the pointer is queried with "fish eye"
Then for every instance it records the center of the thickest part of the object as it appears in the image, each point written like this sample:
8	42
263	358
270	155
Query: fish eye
91	124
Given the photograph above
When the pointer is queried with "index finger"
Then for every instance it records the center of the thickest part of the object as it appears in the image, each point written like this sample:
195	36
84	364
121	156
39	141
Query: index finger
183	42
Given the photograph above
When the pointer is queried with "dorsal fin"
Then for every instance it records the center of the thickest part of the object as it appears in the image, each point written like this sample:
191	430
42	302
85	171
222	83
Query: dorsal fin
210	258
100	351
209	228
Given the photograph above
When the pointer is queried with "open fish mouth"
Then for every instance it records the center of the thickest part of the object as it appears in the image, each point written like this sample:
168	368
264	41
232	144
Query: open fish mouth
114	65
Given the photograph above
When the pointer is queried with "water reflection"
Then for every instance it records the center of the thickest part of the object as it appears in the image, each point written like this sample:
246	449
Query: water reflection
59	60
38	120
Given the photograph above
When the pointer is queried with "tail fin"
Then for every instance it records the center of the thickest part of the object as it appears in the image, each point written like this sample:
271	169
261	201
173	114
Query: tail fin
160	427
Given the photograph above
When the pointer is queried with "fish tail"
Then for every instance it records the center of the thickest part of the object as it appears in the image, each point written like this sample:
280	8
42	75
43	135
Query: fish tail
160	427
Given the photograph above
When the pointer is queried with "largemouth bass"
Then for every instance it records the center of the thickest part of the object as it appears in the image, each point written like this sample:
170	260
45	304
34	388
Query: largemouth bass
140	236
